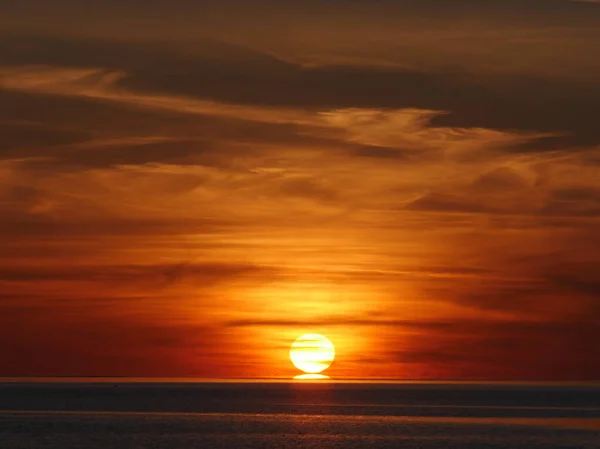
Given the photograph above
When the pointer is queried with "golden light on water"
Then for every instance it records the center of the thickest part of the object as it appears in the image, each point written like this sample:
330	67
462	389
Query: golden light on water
312	353
311	377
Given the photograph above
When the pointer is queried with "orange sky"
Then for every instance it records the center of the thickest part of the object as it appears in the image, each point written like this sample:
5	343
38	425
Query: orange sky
185	188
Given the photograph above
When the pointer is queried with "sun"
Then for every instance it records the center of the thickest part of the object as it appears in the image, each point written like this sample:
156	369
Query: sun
312	353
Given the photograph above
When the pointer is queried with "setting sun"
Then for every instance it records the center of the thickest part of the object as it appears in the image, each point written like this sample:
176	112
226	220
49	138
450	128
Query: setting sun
312	353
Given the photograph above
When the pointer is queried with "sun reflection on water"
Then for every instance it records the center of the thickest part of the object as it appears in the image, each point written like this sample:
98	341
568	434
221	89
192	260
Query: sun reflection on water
312	377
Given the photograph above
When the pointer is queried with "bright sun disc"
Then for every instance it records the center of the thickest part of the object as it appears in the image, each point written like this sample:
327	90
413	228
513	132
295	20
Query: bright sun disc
312	353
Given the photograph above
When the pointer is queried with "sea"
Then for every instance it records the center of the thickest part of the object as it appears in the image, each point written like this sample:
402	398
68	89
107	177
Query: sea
331	414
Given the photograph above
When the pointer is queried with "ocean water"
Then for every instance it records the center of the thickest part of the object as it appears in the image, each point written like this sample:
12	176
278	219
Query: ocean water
108	415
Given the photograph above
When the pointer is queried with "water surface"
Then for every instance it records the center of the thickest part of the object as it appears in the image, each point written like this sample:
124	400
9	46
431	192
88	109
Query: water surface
297	415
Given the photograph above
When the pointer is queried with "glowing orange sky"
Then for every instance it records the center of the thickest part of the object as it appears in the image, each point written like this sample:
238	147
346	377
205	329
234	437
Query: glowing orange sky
185	189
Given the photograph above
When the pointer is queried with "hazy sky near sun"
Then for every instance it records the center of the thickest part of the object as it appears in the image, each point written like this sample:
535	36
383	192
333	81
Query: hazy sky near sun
187	186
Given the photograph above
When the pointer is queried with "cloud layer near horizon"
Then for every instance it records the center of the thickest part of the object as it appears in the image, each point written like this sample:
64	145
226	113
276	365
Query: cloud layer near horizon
426	194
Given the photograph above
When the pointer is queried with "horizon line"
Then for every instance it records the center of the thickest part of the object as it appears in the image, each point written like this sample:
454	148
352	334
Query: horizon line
279	379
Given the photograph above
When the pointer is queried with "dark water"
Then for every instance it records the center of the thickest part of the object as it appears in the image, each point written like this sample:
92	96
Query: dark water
298	415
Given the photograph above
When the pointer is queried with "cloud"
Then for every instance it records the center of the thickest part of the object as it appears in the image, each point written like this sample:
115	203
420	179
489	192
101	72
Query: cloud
96	342
202	273
333	321
208	70
574	201
505	351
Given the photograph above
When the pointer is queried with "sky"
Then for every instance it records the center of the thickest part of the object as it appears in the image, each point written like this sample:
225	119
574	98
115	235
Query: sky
188	186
